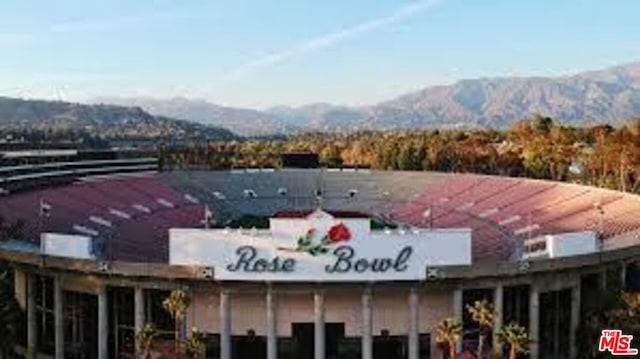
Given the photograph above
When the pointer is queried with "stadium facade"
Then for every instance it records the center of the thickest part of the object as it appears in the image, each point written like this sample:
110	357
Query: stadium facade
352	264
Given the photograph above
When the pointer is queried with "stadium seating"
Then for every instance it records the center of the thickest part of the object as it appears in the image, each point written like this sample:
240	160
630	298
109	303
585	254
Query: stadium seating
74	204
500	211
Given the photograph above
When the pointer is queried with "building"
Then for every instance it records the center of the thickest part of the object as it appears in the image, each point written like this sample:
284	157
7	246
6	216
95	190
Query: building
300	160
353	264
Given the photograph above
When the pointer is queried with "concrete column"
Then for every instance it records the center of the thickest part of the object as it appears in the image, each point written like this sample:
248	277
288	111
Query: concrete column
318	320
58	313
32	336
575	319
225	324
498	301
534	322
367	324
414	338
457	312
138	311
103	324
272	335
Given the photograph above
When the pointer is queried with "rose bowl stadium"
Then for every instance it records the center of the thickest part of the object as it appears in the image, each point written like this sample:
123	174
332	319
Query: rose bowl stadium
304	262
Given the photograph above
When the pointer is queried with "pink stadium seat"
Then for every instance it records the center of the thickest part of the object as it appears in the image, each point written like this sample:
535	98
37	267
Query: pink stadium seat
480	203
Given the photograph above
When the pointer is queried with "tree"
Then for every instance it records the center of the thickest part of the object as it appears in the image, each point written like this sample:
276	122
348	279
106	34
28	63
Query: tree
195	344
607	308
12	317
483	313
449	332
10	230
176	304
145	337
516	337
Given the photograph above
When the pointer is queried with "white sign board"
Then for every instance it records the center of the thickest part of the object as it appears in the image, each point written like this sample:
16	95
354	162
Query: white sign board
561	245
66	245
318	249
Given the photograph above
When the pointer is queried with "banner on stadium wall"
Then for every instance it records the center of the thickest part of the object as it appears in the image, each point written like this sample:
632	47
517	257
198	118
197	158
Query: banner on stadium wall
319	248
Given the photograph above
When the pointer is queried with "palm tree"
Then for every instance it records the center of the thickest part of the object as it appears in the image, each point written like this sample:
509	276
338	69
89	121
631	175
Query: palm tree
483	313
449	332
176	304
516	337
144	337
195	344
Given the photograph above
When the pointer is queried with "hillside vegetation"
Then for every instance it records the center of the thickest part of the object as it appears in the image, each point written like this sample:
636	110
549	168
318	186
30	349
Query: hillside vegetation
102	121
538	148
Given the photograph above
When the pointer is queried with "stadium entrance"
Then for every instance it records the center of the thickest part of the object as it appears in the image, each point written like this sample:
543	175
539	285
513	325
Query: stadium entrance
387	346
249	346
303	340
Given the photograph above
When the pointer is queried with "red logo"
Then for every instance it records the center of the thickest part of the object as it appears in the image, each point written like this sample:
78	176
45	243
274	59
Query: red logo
339	233
313	245
616	343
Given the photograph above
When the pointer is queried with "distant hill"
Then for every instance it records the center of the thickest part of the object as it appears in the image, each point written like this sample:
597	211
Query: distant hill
106	121
610	95
241	121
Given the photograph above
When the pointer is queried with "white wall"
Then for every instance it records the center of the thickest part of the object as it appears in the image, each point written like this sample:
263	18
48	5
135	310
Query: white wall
572	244
218	248
66	245
563	245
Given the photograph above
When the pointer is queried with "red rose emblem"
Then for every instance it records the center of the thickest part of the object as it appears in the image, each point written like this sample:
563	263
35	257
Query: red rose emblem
339	233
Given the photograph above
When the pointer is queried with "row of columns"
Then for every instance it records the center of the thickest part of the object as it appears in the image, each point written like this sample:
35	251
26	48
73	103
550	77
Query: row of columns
319	324
318	315
534	316
58	307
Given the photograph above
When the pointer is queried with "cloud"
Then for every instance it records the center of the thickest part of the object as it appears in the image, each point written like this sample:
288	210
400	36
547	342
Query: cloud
327	40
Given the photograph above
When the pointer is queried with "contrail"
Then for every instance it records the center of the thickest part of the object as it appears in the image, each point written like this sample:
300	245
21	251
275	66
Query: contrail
327	40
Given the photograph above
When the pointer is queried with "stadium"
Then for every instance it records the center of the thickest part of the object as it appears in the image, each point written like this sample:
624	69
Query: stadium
303	262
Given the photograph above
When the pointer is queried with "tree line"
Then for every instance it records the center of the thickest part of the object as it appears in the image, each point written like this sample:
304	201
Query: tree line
538	147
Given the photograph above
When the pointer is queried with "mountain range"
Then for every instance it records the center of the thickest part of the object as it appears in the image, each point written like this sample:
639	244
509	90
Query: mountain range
610	95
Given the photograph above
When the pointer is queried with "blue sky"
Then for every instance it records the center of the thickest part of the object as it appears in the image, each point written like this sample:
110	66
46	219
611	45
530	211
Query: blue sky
259	53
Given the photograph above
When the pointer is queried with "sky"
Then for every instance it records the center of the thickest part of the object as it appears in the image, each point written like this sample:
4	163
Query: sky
262	53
